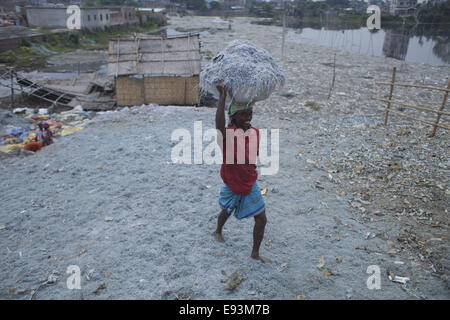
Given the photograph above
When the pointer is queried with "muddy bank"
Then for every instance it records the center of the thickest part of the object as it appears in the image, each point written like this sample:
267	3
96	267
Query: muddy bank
83	61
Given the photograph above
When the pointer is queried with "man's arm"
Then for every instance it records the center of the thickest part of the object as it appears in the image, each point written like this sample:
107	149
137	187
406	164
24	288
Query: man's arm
220	113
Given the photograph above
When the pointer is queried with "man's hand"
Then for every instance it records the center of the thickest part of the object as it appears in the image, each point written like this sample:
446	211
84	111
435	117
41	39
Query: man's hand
222	88
220	113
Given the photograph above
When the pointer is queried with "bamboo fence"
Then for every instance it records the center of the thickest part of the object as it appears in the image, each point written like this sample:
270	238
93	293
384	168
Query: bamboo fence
439	112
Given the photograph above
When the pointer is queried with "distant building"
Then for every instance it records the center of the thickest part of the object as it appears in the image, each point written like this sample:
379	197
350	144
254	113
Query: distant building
403	7
11	5
152	14
122	16
230	3
38	3
155	3
153	10
91	18
383	5
358	5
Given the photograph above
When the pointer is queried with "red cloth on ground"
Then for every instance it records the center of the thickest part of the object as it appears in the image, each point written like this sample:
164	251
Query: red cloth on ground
33	146
240	177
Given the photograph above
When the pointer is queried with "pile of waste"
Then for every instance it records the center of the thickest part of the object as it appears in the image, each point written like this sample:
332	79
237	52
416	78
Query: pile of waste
249	73
15	137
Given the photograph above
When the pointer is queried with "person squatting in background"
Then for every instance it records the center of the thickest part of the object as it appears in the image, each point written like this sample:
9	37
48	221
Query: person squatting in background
43	138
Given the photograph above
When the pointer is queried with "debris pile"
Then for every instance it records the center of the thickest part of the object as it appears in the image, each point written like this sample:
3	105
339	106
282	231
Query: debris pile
232	281
92	91
250	73
16	135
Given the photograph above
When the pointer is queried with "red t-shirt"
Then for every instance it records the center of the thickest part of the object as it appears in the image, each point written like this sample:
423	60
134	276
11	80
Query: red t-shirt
239	173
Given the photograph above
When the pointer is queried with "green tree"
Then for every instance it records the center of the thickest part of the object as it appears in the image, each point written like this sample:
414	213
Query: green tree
338	3
434	12
214	5
89	3
195	4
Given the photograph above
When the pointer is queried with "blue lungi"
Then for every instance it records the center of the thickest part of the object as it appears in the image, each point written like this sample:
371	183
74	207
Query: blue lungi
243	206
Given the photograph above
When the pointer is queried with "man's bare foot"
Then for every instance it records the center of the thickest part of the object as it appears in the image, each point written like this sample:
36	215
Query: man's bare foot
218	236
258	257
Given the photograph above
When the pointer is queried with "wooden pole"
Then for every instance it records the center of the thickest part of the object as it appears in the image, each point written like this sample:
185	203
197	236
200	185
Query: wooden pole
12	88
390	96
444	101
143	90
334	77
168	60
414	107
137	55
420	120
413	86
117	62
284	30
124	53
185	89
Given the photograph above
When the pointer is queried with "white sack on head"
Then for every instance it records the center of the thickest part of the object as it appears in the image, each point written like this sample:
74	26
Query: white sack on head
251	73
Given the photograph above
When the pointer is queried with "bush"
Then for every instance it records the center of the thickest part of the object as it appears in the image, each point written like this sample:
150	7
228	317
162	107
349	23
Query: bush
74	38
22	58
26	43
214	5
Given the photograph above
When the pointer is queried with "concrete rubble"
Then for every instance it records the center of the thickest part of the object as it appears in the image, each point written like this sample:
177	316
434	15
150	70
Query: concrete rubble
93	91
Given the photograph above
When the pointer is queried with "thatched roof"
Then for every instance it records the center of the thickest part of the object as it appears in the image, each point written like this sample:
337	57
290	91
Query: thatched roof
155	56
